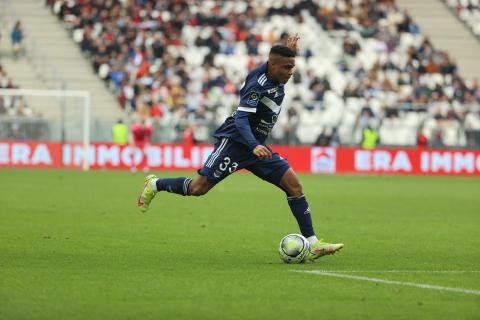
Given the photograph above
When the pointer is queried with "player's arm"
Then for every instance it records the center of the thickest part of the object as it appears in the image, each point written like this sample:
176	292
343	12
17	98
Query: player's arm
250	96
243	126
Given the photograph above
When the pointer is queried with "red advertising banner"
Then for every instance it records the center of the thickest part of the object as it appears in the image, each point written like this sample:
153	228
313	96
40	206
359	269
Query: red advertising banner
302	159
408	161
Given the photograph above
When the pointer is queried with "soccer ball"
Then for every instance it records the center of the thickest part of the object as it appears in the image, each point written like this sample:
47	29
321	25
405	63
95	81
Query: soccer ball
294	248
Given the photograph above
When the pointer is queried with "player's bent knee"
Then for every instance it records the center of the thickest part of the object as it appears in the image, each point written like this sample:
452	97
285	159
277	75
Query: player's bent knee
295	190
291	184
197	189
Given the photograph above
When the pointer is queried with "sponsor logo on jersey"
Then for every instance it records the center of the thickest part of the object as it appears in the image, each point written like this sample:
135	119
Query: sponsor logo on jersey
272	90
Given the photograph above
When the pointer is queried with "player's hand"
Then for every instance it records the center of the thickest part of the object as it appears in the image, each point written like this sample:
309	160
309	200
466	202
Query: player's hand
292	42
262	152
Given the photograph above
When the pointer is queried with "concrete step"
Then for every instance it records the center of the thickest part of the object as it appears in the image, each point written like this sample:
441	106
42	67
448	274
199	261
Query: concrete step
446	33
53	41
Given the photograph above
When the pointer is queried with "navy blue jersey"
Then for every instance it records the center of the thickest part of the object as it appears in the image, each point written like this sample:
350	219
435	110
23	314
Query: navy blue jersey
261	97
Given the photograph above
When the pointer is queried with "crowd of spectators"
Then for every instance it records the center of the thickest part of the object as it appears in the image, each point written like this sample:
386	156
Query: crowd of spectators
468	11
182	62
11	105
17	120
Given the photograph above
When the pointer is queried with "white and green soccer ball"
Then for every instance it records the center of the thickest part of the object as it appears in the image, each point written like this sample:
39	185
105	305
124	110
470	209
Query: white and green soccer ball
294	248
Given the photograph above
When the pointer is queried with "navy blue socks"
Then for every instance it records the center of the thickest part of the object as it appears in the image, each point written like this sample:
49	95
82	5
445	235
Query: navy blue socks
174	185
299	207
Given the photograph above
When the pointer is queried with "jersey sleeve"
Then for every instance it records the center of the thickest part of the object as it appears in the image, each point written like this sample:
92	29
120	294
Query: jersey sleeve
243	126
250	96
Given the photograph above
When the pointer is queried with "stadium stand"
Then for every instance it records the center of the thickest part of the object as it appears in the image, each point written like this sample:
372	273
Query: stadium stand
468	11
181	63
12	106
18	121
52	61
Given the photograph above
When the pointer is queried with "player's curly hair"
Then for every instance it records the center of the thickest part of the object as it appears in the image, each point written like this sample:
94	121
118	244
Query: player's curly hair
283	51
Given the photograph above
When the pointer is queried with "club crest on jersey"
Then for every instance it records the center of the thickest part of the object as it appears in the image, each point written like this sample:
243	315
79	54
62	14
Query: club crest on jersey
253	99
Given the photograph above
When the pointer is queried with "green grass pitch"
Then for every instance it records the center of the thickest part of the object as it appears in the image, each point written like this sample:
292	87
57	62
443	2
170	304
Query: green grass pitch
74	246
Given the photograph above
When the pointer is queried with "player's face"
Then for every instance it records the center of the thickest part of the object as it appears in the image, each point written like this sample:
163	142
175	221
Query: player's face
281	68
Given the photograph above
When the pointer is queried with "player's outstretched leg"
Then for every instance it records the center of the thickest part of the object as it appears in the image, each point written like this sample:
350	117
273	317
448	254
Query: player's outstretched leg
183	186
153	184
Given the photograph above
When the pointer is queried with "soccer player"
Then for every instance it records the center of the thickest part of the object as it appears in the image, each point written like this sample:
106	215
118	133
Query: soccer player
241	145
140	139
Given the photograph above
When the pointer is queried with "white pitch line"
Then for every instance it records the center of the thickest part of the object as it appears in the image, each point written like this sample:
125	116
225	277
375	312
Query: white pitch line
400	283
400	271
